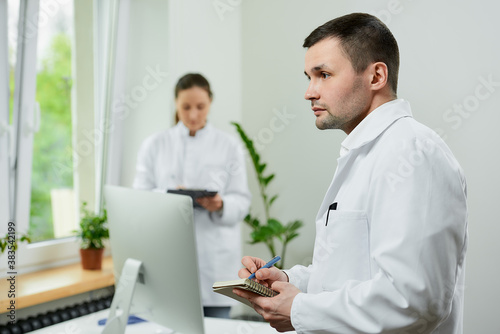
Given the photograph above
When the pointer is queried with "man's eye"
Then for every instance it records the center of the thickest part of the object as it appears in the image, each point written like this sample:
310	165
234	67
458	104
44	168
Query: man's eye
325	75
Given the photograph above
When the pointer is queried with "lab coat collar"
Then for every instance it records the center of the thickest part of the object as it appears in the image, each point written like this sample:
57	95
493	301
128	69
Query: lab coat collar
375	123
184	131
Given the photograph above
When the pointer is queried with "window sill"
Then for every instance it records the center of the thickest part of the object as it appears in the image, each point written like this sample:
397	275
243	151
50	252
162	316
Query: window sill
51	284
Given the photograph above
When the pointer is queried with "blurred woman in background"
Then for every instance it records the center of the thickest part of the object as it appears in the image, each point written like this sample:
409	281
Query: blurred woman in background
195	155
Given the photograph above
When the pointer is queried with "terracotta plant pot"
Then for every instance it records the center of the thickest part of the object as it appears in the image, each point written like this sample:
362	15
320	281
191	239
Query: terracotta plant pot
91	258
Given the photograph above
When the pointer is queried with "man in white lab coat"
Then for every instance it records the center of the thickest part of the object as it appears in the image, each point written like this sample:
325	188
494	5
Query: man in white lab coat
391	233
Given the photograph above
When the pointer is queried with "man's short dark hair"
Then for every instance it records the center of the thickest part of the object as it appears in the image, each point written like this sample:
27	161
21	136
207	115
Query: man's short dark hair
364	39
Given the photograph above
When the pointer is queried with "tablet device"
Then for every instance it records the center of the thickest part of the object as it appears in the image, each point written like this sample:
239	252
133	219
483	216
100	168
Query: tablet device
194	194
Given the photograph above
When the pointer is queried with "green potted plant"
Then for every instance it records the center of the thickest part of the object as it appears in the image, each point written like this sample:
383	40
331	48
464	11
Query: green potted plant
11	240
271	229
93	231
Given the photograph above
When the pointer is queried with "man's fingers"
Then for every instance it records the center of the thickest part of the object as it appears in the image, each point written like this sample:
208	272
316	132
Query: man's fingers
272	274
247	295
251	263
260	303
279	286
263	274
244	273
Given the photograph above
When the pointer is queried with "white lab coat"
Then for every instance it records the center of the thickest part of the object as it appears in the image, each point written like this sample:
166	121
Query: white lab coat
391	258
209	160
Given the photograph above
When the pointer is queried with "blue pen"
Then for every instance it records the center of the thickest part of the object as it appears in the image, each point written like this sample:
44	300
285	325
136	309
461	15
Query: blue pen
267	265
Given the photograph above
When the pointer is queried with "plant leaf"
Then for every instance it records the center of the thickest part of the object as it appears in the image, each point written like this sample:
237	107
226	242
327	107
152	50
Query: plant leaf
262	234
272	199
290	230
267	179
262	167
291	236
276	226
266	233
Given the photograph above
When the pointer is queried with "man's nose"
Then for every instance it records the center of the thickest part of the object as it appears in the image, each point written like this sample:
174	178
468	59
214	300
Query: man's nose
311	92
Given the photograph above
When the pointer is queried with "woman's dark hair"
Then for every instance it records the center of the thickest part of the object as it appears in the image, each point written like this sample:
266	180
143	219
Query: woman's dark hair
191	80
365	40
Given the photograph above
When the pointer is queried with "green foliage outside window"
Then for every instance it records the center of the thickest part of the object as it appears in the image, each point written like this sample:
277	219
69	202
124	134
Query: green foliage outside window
52	144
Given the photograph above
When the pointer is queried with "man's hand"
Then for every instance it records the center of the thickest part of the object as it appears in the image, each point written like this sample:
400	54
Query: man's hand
266	276
275	310
211	203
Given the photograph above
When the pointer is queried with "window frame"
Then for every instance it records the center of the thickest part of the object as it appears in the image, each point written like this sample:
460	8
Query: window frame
5	128
55	252
88	155
25	124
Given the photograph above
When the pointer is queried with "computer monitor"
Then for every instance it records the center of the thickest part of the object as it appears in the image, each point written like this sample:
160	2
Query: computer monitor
156	230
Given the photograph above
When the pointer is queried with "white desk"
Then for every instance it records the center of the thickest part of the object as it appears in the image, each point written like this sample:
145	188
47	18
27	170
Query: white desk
88	325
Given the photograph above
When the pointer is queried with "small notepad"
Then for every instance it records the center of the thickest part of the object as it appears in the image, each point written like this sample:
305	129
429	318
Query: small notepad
226	288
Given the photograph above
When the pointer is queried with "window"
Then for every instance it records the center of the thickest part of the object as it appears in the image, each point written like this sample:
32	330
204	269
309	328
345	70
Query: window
38	162
39	167
52	209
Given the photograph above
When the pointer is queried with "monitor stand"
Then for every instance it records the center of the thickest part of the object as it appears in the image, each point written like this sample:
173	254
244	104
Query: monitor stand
120	306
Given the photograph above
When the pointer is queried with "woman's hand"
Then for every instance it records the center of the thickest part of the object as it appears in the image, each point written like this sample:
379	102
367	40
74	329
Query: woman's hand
211	203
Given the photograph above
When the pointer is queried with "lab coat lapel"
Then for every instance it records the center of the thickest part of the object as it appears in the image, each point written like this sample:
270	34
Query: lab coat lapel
338	178
371	127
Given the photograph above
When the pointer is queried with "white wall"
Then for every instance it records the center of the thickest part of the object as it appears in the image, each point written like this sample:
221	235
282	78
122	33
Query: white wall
147	51
204	42
251	53
446	47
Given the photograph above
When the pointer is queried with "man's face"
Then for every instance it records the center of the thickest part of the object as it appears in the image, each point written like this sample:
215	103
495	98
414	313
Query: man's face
340	98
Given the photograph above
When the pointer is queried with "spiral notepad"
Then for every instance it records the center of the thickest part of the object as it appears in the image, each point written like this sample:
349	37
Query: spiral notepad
226	288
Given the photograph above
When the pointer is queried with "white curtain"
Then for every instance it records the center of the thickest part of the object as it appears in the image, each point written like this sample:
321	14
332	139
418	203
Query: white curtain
26	118
5	129
16	138
111	27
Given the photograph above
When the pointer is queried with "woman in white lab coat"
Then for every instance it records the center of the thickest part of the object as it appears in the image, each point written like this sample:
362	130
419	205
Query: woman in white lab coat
194	154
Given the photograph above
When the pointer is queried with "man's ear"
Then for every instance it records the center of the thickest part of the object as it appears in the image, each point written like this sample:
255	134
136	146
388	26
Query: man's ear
379	75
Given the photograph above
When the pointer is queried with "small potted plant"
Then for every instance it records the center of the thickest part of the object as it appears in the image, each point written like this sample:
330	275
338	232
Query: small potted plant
93	230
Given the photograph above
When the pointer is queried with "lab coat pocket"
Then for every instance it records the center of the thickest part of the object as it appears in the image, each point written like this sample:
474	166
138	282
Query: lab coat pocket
342	250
